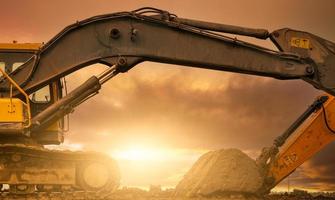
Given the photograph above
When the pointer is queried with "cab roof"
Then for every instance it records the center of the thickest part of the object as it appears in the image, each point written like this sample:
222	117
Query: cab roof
20	46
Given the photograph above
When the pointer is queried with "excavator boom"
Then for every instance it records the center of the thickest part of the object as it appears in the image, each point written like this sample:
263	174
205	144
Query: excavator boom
134	38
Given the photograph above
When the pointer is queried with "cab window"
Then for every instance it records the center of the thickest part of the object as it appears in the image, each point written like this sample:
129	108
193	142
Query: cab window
2	66
41	96
16	65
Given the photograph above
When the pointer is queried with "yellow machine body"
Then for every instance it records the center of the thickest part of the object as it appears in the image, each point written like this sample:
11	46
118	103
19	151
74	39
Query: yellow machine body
12	110
20	46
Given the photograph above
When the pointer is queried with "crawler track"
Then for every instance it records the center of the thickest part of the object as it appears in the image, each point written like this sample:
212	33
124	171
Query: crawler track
69	195
36	172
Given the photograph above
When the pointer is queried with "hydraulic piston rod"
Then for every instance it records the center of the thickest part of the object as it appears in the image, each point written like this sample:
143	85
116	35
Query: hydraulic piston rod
252	32
65	105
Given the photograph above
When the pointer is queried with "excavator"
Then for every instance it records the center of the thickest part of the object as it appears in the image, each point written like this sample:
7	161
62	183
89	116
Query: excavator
34	101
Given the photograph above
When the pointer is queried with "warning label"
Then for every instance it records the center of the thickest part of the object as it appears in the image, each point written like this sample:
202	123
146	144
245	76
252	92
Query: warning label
300	42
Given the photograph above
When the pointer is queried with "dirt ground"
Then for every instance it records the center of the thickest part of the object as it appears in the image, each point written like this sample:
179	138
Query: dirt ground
137	194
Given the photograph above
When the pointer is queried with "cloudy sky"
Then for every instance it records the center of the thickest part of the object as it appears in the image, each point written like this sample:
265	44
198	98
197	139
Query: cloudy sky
157	118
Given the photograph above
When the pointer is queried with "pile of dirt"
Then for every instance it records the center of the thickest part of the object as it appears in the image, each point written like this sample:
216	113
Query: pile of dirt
223	172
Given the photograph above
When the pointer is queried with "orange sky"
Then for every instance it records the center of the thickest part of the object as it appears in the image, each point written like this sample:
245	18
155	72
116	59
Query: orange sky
157	119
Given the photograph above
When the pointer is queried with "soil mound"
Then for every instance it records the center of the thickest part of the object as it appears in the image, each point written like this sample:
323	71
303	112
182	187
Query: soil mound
227	172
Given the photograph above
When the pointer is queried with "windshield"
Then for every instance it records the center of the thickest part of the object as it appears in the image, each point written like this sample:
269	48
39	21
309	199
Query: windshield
12	60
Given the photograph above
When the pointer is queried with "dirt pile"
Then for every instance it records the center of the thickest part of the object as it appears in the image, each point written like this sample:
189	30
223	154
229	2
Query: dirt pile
222	172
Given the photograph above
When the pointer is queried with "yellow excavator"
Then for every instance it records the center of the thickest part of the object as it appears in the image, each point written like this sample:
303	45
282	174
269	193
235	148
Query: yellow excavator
34	101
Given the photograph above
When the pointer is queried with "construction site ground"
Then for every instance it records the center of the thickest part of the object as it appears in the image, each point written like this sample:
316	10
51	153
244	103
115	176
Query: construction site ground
138	194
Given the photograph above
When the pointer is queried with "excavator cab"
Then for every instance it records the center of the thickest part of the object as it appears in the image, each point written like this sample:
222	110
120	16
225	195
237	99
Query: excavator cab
16	118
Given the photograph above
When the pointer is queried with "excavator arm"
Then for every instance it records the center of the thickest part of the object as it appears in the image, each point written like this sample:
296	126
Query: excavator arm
133	37
309	134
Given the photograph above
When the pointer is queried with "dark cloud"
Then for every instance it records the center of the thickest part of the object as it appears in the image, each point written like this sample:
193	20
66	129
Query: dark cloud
244	109
320	170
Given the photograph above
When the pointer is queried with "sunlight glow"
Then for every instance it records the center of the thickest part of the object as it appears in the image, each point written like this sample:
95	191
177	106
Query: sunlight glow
145	165
66	146
139	154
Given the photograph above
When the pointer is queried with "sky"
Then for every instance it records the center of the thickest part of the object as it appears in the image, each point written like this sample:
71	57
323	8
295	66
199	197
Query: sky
157	119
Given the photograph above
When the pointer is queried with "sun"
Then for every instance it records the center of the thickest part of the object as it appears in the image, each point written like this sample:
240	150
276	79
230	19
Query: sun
139	154
148	163
154	153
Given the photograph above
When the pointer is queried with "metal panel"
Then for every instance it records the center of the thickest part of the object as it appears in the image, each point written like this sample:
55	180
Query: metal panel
12	110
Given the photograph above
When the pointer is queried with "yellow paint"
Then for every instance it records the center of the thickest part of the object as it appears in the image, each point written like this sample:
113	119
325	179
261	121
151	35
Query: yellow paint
20	46
300	42
53	127
12	110
312	136
27	104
